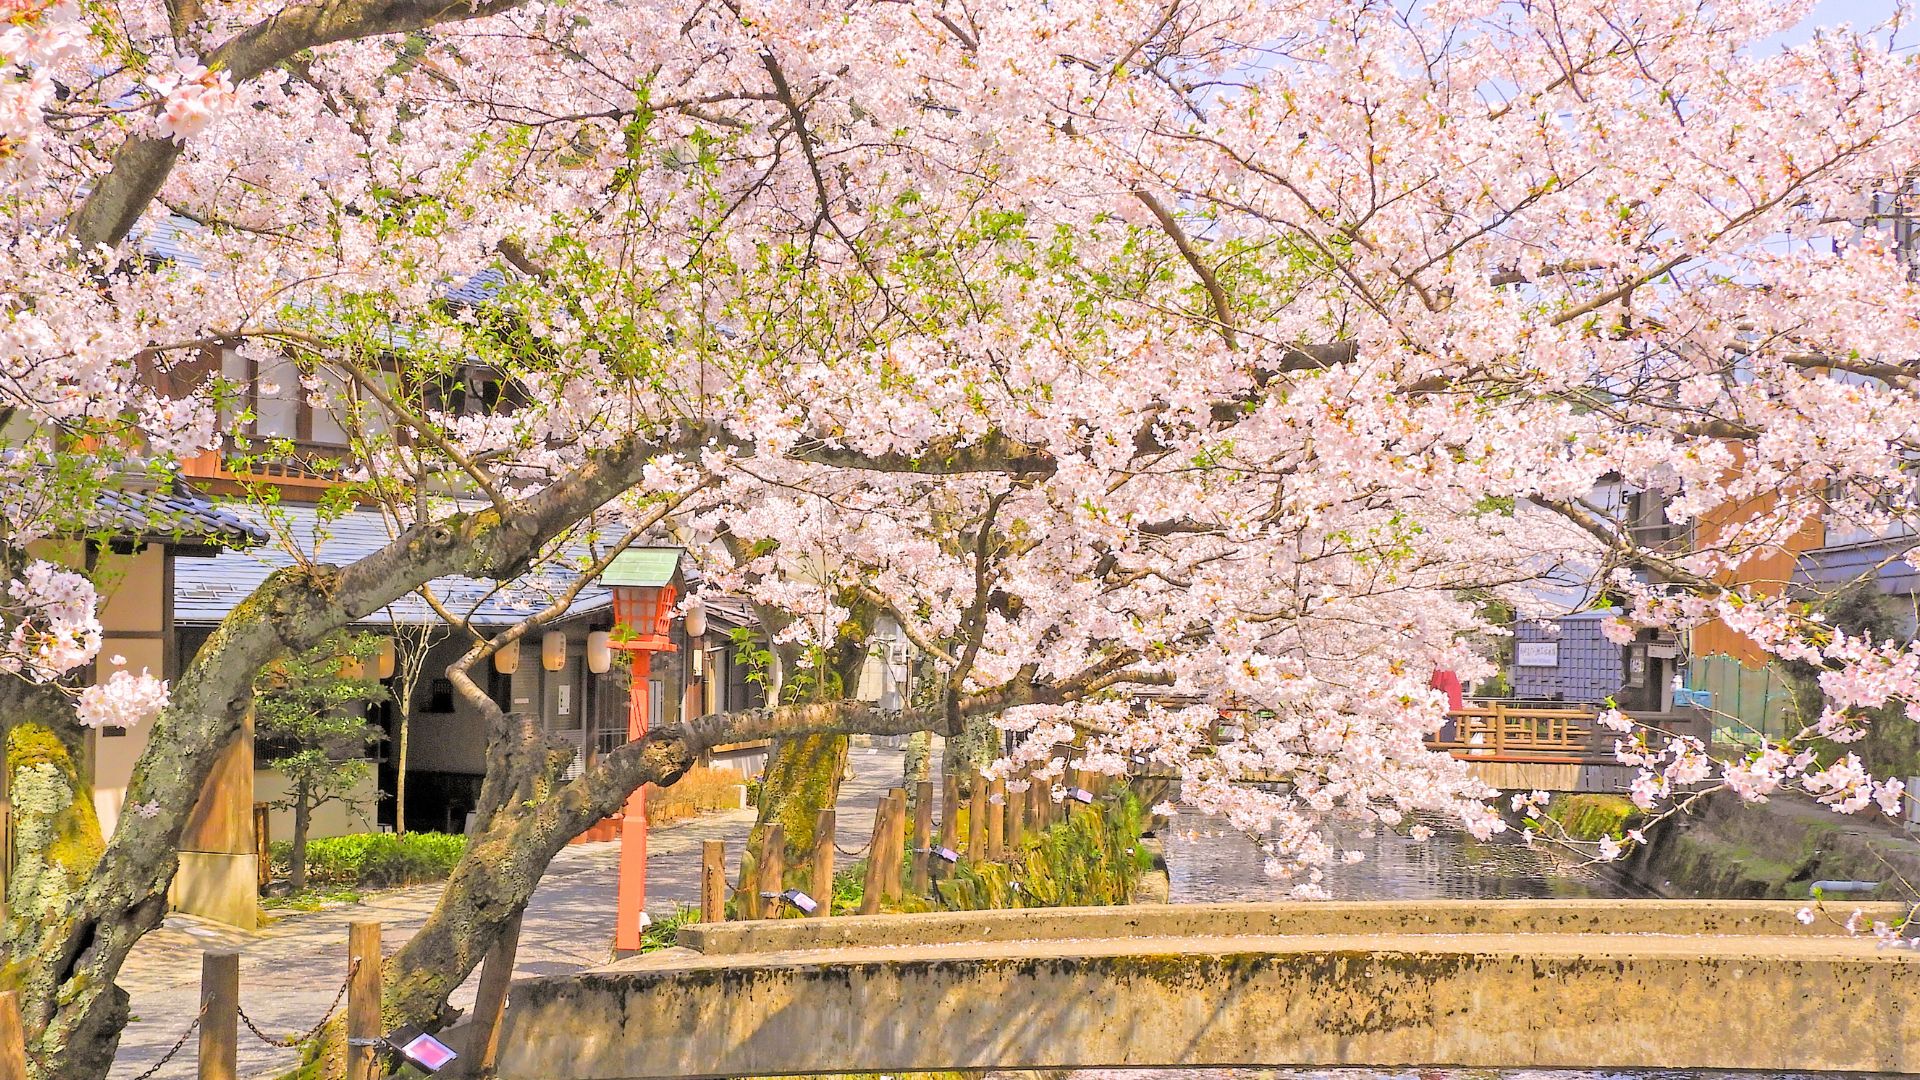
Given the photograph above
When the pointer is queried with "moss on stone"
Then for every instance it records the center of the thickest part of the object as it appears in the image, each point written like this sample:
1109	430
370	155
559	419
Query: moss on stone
1590	817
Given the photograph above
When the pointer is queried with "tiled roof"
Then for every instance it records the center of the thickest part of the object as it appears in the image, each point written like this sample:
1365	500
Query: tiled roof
170	239
175	516
477	289
205	590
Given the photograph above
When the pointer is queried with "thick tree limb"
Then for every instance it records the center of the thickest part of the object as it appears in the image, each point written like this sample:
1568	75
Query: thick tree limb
144	162
74	1011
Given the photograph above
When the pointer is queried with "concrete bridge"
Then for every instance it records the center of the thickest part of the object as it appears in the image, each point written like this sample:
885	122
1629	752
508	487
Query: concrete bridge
1554	984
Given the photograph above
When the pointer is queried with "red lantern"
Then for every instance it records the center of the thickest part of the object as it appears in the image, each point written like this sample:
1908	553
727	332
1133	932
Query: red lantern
643	618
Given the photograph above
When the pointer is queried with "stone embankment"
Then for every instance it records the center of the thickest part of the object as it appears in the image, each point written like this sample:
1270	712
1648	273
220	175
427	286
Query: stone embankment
1779	849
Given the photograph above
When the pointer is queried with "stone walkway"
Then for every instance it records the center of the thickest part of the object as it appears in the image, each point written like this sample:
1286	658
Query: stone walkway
290	971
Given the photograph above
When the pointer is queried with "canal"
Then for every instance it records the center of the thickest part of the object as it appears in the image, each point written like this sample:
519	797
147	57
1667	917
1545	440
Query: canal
1210	862
1207	861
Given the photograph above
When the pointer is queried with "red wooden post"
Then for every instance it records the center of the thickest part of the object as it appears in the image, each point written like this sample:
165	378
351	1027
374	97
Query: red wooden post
630	892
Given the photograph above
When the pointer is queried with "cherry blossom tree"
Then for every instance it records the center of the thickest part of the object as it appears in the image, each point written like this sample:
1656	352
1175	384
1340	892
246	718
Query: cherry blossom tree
1233	351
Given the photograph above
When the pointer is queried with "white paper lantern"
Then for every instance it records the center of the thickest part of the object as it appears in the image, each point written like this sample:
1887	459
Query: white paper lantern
553	650
507	660
385	659
599	652
696	618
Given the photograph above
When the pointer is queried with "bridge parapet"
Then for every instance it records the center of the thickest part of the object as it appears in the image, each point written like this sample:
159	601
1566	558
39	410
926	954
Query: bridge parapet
1501	984
1745	918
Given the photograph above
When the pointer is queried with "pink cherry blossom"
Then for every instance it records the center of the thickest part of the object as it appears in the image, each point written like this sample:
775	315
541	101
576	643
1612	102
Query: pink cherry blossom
122	700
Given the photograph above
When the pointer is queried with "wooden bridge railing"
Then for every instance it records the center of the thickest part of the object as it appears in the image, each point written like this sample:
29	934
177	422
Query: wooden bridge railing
1505	731
1496	731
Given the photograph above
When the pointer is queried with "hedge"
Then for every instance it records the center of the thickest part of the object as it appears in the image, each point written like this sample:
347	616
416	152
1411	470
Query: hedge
377	859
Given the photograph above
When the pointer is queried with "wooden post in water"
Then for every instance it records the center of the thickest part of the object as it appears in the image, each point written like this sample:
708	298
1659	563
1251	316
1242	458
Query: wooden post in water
219	1015
922	837
13	1038
977	821
713	881
363	999
996	820
490	1003
822	888
772	870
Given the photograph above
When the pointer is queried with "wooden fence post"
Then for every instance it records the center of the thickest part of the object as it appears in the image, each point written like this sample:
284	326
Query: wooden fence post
490	1003
1017	818
894	881
713	881
13	1038
977	821
876	869
363	999
219	1015
922	836
996	819
773	870
822	889
950	811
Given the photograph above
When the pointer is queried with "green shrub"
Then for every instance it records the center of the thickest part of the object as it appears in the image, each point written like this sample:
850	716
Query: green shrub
664	932
1092	859
377	859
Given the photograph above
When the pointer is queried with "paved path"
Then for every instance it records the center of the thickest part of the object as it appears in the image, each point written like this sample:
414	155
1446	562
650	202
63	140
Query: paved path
291	970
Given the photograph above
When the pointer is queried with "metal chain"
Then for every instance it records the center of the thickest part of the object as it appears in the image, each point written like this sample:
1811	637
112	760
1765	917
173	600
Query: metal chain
296	1040
283	1041
177	1045
856	852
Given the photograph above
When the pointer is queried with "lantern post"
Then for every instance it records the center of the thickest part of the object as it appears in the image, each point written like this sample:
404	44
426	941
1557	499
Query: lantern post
644	590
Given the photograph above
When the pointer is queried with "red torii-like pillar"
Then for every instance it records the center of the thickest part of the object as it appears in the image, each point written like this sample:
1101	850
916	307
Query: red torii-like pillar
643	597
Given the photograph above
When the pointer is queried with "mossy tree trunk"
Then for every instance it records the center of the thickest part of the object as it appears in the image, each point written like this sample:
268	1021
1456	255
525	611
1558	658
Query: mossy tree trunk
918	766
56	833
977	746
803	778
804	774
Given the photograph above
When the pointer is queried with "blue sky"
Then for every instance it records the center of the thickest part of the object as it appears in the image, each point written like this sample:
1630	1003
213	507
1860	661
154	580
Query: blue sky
1861	13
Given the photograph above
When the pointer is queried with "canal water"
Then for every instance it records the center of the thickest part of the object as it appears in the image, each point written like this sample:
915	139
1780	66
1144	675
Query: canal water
1210	862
